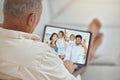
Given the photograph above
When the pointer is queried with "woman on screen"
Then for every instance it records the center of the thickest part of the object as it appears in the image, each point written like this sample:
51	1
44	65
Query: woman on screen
52	43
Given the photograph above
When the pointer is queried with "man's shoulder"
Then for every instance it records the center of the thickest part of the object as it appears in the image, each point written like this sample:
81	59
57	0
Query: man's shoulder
36	45
24	45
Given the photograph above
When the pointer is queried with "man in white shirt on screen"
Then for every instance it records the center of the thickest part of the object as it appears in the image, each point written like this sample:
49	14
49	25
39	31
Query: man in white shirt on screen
22	56
78	52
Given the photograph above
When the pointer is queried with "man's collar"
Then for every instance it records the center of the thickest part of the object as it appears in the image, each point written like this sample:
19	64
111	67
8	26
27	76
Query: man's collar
18	34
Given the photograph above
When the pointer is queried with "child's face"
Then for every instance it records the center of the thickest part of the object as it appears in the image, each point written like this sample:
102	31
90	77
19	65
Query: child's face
60	35
72	37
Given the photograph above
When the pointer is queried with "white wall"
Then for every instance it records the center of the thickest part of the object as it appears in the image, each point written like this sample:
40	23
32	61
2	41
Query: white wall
83	11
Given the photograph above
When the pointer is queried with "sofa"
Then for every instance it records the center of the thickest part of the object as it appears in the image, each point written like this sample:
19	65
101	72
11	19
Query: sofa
103	67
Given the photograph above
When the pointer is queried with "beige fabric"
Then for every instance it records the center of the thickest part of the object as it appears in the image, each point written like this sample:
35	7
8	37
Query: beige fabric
22	56
7	77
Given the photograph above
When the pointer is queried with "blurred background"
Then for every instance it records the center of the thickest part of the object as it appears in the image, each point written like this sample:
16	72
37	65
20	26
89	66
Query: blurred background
78	14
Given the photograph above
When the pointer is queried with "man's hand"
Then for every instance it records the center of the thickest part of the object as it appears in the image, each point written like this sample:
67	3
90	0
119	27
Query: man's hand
70	66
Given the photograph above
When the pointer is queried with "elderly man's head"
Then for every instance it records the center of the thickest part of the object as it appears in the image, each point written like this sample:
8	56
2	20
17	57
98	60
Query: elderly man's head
22	15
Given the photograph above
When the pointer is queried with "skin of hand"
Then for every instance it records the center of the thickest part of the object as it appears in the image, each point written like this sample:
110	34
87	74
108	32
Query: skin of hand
70	66
65	35
84	45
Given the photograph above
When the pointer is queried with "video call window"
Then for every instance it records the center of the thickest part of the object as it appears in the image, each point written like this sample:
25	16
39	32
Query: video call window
69	44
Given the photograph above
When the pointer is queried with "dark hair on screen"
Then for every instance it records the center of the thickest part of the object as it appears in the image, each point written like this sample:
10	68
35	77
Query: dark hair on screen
52	36
79	36
61	32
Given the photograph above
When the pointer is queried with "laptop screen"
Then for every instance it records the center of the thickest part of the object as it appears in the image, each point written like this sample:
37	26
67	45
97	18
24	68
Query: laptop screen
68	44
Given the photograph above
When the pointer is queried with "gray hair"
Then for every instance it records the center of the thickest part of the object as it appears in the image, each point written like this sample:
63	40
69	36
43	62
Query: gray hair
21	7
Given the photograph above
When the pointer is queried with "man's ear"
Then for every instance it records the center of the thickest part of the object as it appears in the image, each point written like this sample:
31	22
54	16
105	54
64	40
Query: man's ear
31	20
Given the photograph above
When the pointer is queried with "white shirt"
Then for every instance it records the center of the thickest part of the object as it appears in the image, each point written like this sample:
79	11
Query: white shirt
22	57
76	54
71	43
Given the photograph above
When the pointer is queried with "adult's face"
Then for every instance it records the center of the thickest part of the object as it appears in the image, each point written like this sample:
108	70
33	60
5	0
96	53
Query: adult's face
78	41
54	38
